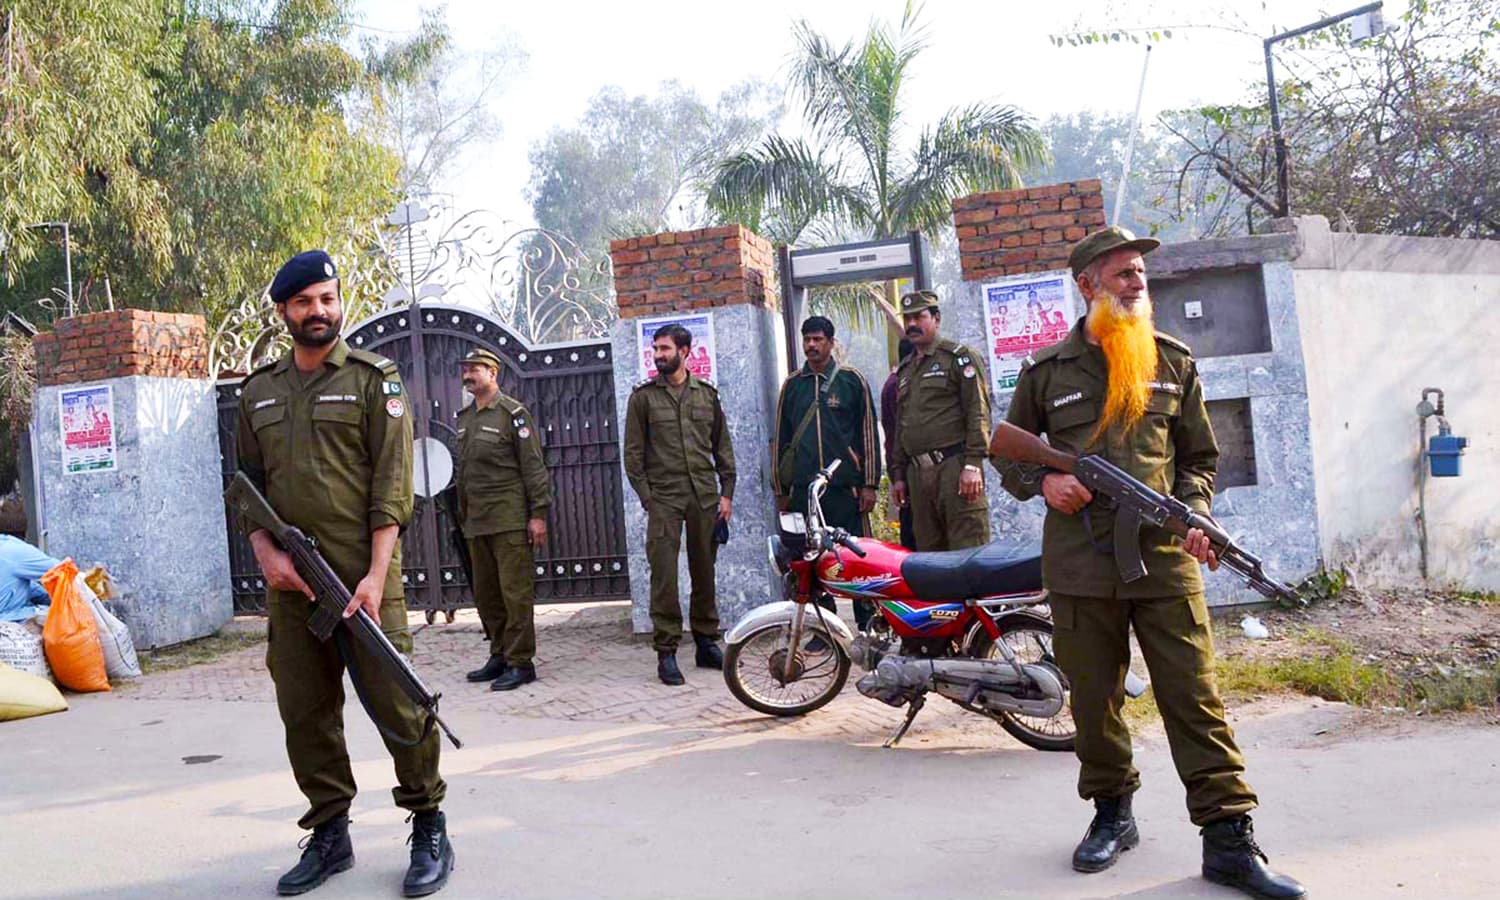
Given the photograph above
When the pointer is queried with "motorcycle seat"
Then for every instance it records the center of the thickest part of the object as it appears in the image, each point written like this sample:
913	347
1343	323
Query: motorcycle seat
995	568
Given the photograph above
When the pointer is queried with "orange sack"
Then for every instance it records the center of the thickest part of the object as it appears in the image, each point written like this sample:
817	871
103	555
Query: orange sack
70	638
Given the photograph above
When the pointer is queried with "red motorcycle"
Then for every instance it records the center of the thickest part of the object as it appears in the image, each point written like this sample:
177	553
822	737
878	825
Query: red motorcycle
970	625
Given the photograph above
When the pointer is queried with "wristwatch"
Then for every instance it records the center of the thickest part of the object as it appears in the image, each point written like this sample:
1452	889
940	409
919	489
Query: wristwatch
970	467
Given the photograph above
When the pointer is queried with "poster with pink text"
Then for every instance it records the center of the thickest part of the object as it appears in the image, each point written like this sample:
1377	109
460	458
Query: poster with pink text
1023	314
88	429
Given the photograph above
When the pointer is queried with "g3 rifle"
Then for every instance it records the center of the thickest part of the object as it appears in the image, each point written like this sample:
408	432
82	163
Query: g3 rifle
332	599
1135	504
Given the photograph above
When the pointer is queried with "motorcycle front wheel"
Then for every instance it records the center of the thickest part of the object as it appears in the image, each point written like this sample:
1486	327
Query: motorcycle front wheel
755	671
1030	638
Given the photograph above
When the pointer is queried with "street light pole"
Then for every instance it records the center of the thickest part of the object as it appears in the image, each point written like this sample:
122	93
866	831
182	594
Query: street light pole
1283	175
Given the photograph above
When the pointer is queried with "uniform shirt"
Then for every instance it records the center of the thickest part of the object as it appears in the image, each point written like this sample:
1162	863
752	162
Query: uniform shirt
502	474
332	452
842	427
943	401
676	446
1060	392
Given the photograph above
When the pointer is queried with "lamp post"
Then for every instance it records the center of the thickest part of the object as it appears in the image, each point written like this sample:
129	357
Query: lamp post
1367	28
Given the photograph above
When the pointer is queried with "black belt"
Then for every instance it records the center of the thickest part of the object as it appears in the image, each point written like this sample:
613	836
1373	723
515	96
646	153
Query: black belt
934	457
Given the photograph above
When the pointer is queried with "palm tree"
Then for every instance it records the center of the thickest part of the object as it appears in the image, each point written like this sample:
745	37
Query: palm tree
851	178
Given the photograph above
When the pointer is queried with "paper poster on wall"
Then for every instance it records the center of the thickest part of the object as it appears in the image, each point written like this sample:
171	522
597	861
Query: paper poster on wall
88	429
1023	314
703	362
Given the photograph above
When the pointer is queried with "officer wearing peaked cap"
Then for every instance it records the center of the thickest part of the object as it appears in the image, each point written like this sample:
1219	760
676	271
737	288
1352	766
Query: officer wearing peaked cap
944	408
503	498
1117	388
325	433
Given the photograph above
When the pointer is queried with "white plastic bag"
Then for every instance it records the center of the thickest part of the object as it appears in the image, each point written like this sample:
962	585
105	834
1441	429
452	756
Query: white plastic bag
114	637
22	649
1254	628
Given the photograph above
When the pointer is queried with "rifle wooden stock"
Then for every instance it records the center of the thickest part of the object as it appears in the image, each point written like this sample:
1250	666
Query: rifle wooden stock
1019	445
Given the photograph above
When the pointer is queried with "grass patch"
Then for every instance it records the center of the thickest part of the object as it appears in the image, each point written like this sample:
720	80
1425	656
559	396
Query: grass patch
1338	676
1456	691
202	650
1478	598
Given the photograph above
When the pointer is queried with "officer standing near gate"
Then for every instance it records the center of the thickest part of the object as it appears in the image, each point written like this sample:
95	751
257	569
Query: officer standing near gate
325	433
680	462
503	497
944	410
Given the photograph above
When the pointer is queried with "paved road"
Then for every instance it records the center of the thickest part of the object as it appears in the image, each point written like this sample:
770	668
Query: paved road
597	782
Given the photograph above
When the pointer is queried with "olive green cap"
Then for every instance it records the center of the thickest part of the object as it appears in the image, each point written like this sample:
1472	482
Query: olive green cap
483	357
1102	242
916	301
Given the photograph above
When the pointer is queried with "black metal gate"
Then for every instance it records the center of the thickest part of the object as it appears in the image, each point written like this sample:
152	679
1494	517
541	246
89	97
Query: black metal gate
569	389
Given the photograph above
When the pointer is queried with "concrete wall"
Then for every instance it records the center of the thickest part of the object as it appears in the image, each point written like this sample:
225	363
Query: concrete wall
1382	318
157	521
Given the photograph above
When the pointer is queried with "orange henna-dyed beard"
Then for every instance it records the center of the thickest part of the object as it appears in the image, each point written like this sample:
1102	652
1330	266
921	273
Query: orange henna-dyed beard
1128	340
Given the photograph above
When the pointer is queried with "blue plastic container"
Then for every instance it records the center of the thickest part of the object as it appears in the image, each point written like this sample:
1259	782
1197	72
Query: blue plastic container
1445	455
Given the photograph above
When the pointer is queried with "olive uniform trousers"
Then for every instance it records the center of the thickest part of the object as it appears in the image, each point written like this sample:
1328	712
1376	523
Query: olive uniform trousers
309	679
665	523
941	518
1091	641
505	593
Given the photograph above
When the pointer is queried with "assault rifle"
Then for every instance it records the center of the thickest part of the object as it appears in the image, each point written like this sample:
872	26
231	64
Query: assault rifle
332	599
1135	504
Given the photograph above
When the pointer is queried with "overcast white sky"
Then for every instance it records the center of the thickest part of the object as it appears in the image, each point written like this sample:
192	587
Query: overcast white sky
978	49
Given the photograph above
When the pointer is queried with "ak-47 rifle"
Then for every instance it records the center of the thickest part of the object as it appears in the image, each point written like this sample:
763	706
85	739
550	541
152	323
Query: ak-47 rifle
332	599
1136	503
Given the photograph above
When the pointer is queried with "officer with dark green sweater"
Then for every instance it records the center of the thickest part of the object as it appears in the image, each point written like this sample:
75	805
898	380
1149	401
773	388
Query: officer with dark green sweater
826	413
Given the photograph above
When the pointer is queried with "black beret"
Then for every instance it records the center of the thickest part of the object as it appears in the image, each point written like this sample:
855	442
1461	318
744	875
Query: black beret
307	267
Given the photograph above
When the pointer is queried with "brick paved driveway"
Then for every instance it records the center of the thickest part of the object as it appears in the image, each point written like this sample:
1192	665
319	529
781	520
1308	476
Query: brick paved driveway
591	669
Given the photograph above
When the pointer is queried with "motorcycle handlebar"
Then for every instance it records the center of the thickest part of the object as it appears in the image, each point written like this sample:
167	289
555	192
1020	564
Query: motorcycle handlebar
843	537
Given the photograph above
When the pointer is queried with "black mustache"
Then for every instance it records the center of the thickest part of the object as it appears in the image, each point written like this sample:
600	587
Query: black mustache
316	321
913	331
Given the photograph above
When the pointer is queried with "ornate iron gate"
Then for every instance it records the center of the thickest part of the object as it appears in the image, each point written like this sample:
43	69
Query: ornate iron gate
569	389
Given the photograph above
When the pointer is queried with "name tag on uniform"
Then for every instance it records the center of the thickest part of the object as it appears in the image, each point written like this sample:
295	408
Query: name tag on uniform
336	398
935	372
461	431
1165	386
1064	400
489	429
262	404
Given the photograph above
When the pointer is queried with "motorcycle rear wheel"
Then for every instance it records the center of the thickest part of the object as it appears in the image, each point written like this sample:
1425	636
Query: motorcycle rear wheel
750	666
1030	638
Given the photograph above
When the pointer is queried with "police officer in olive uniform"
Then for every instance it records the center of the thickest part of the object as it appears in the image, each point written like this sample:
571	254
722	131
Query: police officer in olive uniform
503	496
676	448
825	412
1061	392
945	422
326	433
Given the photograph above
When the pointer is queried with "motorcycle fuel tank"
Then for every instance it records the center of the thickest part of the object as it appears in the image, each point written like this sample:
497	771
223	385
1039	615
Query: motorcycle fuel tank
877	576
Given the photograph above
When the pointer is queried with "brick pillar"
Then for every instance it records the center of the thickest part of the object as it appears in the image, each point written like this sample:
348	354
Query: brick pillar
151	512
685	270
1027	229
121	344
728	274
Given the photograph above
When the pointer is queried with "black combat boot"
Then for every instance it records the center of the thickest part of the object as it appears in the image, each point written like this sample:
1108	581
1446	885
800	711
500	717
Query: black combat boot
1112	832
709	656
1232	858
514	677
325	852
431	855
666	668
493	668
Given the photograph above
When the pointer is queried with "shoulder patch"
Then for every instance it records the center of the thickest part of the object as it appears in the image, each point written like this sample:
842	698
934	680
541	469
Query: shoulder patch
1044	354
647	383
386	366
1174	343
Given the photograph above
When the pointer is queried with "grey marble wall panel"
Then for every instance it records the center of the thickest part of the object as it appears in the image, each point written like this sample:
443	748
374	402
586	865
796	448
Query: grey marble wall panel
157	521
749	367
